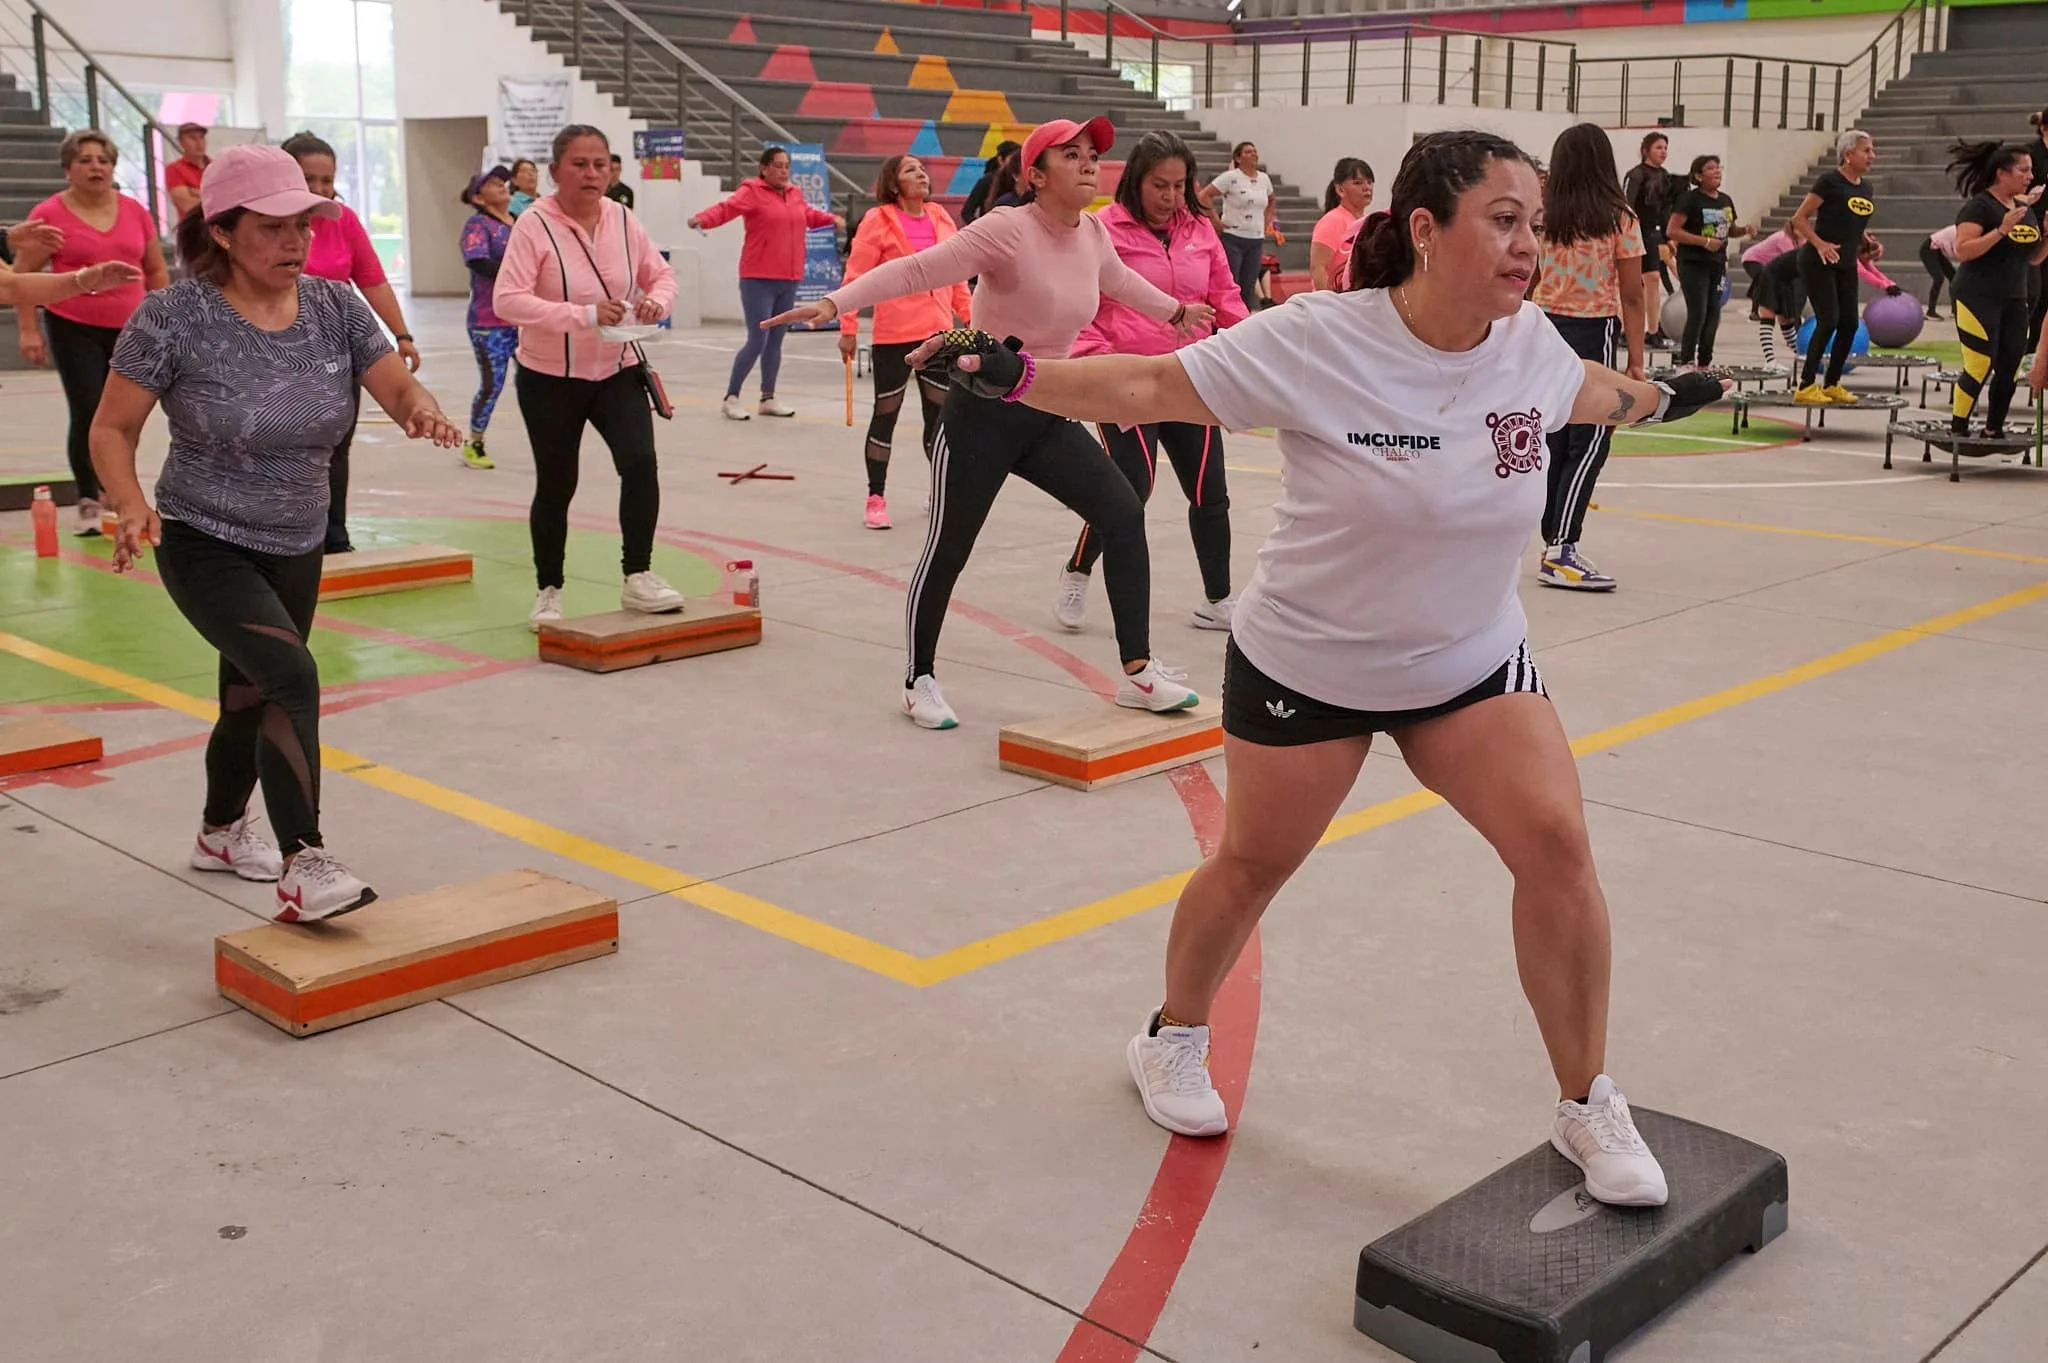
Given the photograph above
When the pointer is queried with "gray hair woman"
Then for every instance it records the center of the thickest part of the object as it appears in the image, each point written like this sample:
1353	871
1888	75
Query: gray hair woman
1832	221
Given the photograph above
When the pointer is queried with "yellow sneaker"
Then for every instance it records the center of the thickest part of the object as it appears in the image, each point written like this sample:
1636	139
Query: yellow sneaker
1837	393
1813	394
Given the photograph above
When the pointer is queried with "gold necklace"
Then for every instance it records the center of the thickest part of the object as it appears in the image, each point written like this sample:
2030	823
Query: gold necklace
1407	311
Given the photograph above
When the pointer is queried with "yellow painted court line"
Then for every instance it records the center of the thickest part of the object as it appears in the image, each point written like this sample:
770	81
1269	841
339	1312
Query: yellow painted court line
923	972
743	908
1804	533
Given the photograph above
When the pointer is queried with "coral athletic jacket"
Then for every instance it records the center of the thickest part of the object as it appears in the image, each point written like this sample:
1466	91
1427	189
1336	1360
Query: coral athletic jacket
1191	267
881	237
776	219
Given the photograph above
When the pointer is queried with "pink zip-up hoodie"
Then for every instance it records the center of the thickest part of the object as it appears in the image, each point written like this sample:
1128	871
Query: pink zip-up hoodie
558	327
776	222
1190	267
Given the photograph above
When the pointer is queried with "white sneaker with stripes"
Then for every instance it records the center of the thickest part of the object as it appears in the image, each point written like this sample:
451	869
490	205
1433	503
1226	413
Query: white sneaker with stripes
1171	1069
1601	1138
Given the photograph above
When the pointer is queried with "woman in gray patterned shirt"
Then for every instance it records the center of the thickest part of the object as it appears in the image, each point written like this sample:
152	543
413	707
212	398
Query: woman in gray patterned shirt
256	365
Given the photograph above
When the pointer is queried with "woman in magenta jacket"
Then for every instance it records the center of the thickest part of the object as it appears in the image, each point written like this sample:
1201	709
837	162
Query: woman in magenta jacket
771	265
1160	230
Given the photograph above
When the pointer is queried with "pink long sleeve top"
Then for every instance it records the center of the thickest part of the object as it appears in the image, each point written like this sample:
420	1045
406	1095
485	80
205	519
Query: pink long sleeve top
778	220
549	290
1041	280
1189	264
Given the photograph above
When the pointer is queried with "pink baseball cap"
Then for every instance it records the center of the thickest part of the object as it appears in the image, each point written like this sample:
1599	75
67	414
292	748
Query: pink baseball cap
264	180
1061	131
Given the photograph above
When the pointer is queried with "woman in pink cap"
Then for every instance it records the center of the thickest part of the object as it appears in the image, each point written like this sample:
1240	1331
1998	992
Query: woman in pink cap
99	223
1162	231
256	365
1045	267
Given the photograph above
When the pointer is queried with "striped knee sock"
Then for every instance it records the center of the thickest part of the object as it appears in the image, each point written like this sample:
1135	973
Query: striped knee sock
1767	333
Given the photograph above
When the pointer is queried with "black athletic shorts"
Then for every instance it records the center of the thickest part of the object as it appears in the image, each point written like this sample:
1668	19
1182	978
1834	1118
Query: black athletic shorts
1260	710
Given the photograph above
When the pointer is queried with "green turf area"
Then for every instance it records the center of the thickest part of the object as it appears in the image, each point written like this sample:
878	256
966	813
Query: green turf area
131	625
1949	354
1710	432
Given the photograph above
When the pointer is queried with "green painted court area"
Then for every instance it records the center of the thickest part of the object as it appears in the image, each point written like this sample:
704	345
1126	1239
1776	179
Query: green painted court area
1702	433
129	623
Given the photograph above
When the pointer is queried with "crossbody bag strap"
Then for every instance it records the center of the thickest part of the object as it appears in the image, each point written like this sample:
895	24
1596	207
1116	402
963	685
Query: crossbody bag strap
600	273
563	266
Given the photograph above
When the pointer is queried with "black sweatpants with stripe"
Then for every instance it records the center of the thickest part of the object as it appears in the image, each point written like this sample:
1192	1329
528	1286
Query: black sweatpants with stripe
1196	453
1578	453
981	442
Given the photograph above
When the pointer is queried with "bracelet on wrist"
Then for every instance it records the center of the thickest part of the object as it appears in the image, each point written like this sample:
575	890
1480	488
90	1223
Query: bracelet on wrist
1023	384
402	336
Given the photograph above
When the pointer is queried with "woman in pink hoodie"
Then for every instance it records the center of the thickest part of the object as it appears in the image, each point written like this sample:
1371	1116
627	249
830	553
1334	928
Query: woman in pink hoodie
902	223
771	266
1161	231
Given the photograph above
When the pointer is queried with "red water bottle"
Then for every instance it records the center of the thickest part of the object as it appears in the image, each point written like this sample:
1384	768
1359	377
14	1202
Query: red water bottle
43	514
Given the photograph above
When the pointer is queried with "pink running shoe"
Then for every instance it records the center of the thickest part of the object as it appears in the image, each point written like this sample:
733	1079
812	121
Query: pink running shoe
877	517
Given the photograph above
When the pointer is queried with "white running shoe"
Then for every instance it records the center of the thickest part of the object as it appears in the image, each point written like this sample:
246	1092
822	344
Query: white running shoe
1158	687
735	410
774	407
1215	614
1600	1137
316	886
1071	609
926	704
648	594
89	515
547	608
238	848
1171	1069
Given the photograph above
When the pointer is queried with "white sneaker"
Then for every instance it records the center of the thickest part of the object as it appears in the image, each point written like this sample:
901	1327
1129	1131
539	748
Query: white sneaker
1600	1137
1215	614
238	848
926	704
1171	1069
774	407
735	410
89	516
547	608
647	593
1157	688
1071	609
316	886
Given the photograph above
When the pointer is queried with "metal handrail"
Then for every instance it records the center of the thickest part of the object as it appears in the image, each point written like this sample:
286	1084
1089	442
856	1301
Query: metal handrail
95	75
739	103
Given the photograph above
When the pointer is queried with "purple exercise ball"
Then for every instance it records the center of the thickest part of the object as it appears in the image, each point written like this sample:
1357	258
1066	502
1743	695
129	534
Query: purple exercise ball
1893	320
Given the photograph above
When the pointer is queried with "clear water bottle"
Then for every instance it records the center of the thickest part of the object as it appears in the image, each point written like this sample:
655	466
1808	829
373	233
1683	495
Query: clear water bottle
743	583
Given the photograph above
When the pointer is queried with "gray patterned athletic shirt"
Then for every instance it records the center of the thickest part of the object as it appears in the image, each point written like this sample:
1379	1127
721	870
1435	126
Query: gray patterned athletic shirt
254	414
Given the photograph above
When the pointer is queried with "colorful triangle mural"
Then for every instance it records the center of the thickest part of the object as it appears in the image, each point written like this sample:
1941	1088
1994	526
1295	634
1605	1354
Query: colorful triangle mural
790	62
977	106
932	73
926	143
965	178
887	42
742	32
838	99
1002	132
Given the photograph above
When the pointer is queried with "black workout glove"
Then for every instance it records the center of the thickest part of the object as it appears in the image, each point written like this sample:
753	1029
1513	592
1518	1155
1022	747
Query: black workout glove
1003	364
1684	394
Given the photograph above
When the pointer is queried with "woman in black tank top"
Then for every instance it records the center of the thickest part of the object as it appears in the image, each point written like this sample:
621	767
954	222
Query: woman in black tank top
1831	221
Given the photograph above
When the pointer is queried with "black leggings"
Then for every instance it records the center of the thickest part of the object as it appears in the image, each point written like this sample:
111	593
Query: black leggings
257	610
2037	308
1938	268
556	410
892	377
1832	291
81	354
1993	333
337	481
1196	453
982	441
1700	281
1578	452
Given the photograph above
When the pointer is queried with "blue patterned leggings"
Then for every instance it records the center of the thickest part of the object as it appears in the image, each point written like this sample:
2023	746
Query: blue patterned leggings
493	347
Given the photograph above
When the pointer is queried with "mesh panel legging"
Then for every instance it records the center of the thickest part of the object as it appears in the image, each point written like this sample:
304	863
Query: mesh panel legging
1832	291
892	378
556	410
982	441
1196	453
1993	333
257	610
81	354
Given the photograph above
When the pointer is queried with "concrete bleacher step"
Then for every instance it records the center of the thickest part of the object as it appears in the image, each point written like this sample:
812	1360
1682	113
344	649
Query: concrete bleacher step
1975	64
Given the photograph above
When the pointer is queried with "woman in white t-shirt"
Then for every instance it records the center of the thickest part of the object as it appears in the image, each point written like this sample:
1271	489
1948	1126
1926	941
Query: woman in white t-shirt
1411	418
1246	208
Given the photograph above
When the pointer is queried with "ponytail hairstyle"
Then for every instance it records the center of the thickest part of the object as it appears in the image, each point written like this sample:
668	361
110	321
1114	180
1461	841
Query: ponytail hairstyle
202	256
1976	164
1582	200
1650	139
1436	170
768	155
304	144
1699	164
1348	168
1153	150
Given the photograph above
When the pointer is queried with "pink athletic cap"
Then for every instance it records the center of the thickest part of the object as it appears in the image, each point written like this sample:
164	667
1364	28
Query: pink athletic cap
1061	131
264	180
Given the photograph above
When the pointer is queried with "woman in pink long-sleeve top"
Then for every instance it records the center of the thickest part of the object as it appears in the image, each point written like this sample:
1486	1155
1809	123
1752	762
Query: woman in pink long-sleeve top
1045	267
579	266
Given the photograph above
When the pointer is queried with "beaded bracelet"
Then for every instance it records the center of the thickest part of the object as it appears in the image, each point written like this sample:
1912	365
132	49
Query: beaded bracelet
1023	384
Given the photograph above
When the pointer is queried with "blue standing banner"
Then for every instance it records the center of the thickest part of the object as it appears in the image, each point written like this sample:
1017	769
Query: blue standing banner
821	244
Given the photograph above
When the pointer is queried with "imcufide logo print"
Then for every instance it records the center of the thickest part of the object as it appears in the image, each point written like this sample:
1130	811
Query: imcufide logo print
1517	441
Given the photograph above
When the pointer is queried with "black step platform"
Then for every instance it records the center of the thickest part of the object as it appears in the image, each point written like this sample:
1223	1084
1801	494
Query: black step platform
1525	1267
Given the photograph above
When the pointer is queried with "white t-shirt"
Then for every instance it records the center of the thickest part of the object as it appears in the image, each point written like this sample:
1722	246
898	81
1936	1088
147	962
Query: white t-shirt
1389	579
1244	202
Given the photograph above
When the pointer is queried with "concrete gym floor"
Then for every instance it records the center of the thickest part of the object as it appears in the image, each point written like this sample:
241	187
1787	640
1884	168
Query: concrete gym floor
853	1087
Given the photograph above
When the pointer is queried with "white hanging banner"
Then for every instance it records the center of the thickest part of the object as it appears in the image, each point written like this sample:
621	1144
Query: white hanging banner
531	110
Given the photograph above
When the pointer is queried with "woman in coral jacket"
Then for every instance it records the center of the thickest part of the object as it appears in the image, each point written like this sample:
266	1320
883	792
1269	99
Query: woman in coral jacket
771	266
903	222
1161	231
